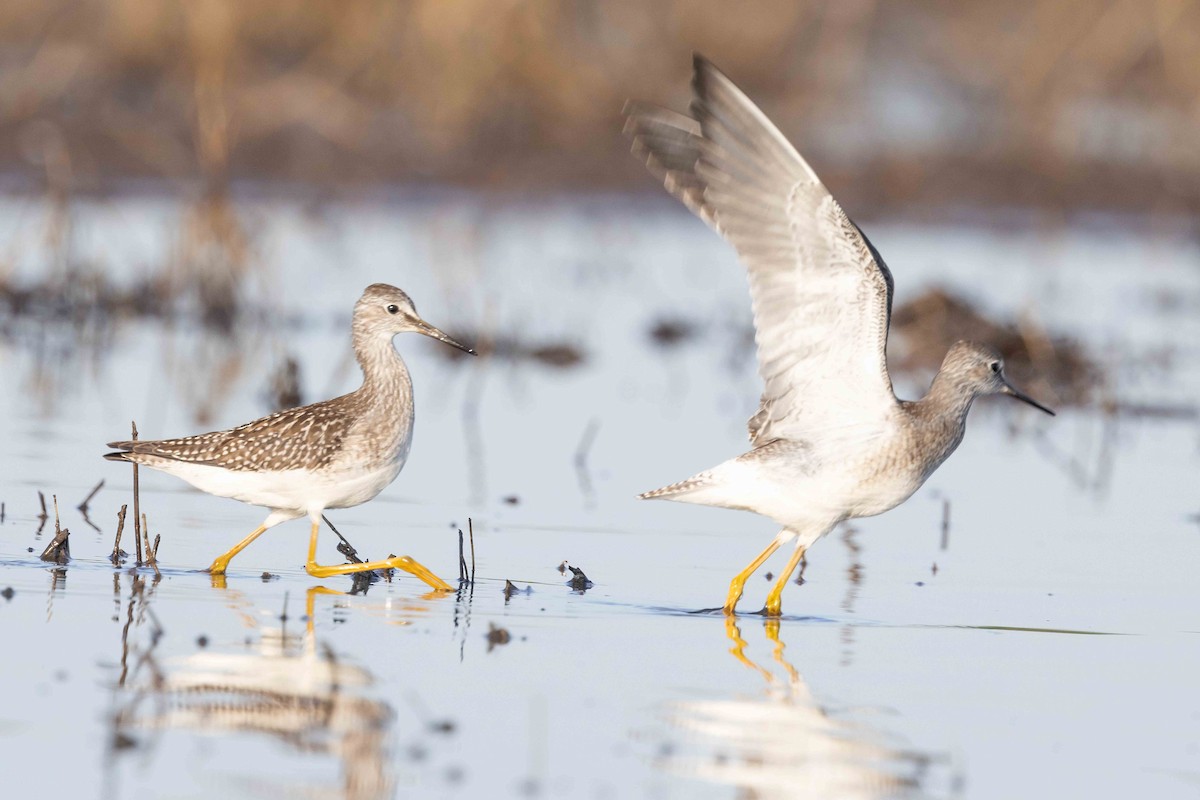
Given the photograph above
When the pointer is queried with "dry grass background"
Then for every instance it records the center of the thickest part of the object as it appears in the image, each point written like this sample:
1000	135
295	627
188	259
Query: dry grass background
904	104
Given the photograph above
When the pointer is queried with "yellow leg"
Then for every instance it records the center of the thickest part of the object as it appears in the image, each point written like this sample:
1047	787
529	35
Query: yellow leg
399	562
775	596
739	581
222	561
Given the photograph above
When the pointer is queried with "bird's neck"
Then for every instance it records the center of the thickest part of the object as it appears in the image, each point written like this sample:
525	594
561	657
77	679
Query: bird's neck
938	420
385	376
949	398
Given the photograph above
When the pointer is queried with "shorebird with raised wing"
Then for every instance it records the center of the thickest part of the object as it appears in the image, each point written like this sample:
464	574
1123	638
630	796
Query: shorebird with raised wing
830	439
333	454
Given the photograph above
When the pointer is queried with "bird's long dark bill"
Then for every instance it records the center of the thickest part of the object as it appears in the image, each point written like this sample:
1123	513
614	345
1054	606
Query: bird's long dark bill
427	329
1017	393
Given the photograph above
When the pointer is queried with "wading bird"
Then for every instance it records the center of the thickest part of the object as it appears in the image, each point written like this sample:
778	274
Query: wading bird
830	439
333	454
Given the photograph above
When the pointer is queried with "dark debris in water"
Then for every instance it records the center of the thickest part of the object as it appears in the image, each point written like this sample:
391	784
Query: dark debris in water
497	637
443	726
579	581
8	593
123	741
511	588
59	549
667	332
1043	364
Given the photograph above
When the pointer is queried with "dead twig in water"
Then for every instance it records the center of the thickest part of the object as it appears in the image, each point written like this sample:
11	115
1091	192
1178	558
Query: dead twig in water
471	532
119	555
462	561
151	561
351	554
137	525
83	507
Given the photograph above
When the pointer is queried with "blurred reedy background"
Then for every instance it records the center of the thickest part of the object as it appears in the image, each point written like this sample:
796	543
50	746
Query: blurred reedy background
903	107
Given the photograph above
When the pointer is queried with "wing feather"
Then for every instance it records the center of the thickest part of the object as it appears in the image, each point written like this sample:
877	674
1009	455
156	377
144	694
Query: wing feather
821	294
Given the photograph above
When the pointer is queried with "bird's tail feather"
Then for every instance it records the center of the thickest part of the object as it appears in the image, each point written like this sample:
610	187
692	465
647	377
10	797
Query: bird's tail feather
682	487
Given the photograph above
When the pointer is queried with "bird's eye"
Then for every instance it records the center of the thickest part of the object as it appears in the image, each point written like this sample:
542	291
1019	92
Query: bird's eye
393	309
995	366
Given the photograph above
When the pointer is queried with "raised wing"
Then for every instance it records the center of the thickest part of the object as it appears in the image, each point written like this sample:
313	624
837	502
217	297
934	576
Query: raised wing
821	294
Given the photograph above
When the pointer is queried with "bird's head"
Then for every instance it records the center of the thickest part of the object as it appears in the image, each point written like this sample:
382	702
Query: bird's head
981	369
385	310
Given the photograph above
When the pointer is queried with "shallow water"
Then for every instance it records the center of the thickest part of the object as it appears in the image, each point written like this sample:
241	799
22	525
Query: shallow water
1052	652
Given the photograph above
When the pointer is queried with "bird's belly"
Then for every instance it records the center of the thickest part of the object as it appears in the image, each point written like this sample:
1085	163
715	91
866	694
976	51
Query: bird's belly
846	485
878	494
293	490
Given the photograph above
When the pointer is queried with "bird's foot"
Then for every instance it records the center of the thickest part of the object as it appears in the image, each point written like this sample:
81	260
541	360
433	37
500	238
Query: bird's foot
405	563
771	611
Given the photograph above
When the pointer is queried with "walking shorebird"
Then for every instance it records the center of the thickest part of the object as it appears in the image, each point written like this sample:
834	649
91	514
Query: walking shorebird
830	439
333	454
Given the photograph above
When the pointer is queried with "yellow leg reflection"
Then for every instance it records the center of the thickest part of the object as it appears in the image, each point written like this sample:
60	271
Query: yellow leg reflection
738	650
222	561
771	628
399	562
774	604
310	600
739	581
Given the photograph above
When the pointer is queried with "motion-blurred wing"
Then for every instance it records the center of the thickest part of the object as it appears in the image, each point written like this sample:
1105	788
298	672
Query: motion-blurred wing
821	294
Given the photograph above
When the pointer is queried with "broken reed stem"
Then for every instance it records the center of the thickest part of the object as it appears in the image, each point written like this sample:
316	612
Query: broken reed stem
471	529
157	539
116	553
57	527
146	545
462	561
137	527
84	505
42	499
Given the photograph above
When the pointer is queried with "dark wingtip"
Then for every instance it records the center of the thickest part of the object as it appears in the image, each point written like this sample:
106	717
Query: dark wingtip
118	456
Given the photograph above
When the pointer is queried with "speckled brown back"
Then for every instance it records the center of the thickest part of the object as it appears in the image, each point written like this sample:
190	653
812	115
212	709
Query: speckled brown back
307	437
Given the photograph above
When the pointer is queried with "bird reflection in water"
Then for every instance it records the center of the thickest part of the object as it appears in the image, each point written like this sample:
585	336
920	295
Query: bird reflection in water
784	744
289	687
